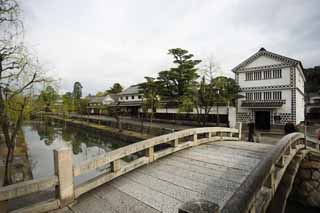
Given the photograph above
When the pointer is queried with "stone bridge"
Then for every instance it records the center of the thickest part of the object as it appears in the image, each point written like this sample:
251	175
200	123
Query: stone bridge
193	170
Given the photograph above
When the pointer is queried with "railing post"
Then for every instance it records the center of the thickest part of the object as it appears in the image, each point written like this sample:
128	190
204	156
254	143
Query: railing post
63	169
150	153
176	142
195	139
115	165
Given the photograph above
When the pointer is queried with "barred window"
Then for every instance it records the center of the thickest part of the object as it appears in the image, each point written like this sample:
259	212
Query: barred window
249	76
267	95
277	95
277	73
257	96
267	74
249	96
257	75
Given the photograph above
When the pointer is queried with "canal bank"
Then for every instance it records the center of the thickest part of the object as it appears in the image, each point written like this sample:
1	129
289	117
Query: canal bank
21	169
125	135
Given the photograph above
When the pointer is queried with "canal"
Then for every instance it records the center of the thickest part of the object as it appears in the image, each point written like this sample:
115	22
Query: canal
43	138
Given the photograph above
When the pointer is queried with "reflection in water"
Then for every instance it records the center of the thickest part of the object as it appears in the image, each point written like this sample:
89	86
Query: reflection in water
42	139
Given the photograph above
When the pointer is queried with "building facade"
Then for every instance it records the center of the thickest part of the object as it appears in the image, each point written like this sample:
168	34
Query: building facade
272	90
96	104
131	100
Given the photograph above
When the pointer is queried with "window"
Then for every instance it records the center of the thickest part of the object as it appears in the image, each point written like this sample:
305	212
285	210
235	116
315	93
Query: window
276	73
139	96
127	97
257	96
132	97
249	96
277	95
120	98
267	74
267	95
257	75
249	76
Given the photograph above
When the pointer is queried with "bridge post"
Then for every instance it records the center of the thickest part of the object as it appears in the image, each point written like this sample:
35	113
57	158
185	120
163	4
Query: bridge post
270	182
176	142
63	169
115	165
150	153
195	139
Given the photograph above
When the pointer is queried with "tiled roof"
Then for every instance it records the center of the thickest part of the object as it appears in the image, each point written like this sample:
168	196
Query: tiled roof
264	52
263	103
134	89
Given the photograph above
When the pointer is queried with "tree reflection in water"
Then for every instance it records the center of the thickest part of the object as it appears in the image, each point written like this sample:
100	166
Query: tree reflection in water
80	140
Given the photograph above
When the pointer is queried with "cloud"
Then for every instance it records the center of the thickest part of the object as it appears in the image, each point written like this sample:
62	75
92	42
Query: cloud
102	42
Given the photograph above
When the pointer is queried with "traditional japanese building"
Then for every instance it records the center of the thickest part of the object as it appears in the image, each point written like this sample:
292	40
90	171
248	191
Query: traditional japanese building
96	104
272	90
131	100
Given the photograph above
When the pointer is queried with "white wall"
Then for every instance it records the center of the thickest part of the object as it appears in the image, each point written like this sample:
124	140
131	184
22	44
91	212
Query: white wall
262	61
285	80
285	108
136	98
299	107
299	79
223	110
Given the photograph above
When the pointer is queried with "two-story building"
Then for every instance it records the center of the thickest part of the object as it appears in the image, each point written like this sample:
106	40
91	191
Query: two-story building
131	100
96	104
272	90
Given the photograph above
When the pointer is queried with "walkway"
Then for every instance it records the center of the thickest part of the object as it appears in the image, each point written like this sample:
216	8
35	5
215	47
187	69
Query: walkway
212	171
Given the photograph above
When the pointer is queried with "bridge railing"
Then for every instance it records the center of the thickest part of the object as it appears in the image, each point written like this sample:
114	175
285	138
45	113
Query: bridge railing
66	171
263	181
173	141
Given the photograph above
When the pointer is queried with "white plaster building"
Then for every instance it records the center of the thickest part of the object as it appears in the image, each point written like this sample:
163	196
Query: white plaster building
272	87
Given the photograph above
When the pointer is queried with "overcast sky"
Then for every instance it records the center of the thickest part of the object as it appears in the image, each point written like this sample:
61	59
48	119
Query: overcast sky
100	42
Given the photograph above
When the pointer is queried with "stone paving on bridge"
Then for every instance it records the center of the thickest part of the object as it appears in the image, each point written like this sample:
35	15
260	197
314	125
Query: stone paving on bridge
212	172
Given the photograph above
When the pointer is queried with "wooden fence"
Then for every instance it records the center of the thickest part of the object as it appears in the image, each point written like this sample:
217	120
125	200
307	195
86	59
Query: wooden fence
66	171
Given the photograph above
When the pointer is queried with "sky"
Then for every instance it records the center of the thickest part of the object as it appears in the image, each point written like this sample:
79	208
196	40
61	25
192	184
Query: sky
101	42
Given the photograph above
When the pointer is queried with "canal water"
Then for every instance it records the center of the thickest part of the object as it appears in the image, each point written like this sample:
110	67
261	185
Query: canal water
42	139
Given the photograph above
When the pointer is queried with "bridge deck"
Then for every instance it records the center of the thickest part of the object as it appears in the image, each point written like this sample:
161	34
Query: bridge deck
212	172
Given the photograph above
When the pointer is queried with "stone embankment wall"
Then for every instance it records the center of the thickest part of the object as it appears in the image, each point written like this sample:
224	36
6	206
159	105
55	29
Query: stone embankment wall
306	188
125	135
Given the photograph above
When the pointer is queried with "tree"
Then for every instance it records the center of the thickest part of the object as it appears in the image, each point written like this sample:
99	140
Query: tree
150	90
313	78
114	110
116	88
202	98
77	90
48	96
67	101
177	81
100	94
77	94
228	91
19	72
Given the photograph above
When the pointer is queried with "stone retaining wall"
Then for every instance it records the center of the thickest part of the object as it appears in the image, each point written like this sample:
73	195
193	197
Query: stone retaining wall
306	188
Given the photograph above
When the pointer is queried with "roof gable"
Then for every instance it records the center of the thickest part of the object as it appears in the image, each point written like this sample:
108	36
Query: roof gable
262	60
253	60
